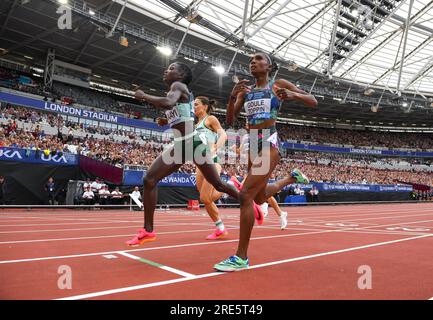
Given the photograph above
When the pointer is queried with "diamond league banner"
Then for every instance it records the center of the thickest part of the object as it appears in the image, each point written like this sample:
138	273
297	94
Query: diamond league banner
135	178
33	156
320	148
346	187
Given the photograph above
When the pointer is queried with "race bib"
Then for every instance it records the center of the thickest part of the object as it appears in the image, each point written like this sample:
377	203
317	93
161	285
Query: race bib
259	106
172	115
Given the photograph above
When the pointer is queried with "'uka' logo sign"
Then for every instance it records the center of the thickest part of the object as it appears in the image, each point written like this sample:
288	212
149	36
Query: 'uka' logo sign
55	158
10	154
37	156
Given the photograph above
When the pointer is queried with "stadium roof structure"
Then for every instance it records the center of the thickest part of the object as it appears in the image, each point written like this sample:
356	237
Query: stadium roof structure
301	31
371	65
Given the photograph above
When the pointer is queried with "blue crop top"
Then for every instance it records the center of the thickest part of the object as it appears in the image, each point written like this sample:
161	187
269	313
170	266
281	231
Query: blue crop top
261	104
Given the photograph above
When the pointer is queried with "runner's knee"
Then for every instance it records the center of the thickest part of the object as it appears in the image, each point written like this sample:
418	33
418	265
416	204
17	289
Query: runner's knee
205	198
260	199
149	182
245	196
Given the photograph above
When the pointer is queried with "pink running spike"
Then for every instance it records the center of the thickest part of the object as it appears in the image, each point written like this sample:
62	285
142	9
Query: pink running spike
218	234
258	214
142	237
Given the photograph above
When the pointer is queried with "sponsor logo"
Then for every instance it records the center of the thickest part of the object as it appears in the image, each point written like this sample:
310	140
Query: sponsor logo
10	154
55	158
366	151
18	155
193	180
177	180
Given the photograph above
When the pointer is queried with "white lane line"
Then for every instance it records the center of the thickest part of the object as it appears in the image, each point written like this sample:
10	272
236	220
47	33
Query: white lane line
384	218
304	215
194	217
104	228
125	254
368	210
325	224
69	219
97	217
272	227
164	247
63	230
348	230
370	227
83	223
58	224
161	223
339	251
182	245
139	287
179	272
158	265
371	216
208	275
97	237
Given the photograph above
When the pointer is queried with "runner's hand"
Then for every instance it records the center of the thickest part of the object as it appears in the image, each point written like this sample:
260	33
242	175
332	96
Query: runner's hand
285	94
240	89
139	95
162	122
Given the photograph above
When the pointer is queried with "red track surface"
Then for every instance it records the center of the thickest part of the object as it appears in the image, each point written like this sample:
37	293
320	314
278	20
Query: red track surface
317	257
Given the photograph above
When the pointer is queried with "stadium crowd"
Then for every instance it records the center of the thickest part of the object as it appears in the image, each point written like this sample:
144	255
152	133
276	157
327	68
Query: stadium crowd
391	140
117	103
354	174
13	114
320	167
69	94
342	174
143	150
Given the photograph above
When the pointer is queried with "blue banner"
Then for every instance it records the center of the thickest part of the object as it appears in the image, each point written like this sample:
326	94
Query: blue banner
135	178
346	187
78	112
33	156
318	148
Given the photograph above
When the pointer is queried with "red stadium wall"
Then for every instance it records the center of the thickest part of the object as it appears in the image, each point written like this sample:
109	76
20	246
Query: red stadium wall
102	170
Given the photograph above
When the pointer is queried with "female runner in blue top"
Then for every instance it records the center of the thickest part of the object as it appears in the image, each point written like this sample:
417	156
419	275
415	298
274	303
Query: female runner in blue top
261	102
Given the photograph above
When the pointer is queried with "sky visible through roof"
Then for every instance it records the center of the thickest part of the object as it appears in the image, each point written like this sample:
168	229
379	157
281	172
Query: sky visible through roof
376	61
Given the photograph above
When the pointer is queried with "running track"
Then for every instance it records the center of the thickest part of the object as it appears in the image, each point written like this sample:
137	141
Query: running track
317	257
